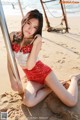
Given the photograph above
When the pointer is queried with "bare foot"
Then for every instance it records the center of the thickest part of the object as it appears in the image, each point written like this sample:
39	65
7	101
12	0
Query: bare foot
75	77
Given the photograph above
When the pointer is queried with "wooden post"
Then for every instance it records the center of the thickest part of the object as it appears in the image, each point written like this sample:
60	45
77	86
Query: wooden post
20	8
65	18
46	18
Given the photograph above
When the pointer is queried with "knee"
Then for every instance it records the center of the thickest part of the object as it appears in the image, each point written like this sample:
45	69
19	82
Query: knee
29	99
72	103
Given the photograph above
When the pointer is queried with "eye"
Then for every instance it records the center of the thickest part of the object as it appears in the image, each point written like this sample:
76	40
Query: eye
36	28
28	22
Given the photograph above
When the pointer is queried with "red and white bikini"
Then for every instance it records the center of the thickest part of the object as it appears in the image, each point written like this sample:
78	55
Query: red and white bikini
39	72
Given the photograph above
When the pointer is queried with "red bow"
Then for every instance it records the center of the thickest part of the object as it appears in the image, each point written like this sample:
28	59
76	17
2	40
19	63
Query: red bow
25	49
15	47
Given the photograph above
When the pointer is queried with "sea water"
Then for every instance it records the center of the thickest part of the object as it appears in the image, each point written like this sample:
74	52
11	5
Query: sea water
53	8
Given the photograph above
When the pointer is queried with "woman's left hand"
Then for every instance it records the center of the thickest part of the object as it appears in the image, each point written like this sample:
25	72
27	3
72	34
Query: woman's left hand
37	39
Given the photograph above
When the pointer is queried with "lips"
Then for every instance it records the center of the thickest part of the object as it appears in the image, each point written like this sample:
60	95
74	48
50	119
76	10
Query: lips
28	32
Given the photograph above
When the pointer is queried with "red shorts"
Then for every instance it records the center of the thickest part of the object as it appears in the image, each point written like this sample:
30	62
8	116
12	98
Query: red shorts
38	73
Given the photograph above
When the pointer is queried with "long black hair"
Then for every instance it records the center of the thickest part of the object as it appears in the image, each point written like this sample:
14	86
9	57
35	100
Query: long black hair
32	14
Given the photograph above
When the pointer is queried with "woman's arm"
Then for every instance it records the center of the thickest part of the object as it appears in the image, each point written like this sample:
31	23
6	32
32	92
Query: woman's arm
34	53
16	86
13	81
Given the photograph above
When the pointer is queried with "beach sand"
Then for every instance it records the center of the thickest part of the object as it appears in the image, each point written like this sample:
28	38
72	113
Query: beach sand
59	51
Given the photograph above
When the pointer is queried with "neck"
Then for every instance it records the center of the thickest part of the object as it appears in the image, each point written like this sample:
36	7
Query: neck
27	41
27	38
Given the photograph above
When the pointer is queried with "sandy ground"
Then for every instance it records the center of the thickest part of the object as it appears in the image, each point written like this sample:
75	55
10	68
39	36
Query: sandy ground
62	53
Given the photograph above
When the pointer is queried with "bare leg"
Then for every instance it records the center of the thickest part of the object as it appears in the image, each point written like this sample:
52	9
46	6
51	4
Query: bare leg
35	93
68	97
73	88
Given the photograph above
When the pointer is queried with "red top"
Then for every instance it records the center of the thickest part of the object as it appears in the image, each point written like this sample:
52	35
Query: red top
25	49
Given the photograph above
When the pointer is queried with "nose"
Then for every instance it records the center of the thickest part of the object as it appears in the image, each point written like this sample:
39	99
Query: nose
29	27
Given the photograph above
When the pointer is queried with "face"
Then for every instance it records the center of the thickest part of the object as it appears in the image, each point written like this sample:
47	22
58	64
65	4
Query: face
30	27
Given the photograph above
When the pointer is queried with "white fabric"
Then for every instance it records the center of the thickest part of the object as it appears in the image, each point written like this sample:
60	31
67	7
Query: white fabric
21	58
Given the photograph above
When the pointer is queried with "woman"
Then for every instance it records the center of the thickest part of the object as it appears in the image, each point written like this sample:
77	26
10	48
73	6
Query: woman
41	79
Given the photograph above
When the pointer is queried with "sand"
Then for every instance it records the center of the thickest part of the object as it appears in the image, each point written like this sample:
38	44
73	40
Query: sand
62	53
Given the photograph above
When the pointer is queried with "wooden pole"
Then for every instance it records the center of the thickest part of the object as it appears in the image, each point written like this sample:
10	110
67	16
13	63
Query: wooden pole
46	18
65	18
20	8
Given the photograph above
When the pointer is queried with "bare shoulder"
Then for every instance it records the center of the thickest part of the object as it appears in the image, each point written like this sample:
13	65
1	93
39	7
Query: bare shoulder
11	35
38	40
